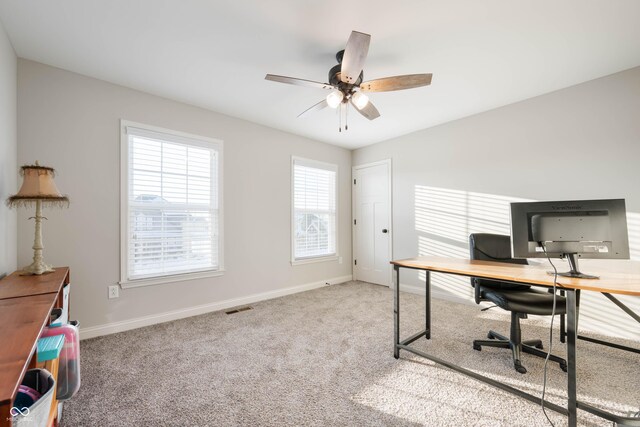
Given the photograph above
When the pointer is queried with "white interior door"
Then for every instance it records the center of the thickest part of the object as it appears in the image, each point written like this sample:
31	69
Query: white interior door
372	222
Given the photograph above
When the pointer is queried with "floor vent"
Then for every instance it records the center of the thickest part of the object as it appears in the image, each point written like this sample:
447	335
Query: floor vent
238	310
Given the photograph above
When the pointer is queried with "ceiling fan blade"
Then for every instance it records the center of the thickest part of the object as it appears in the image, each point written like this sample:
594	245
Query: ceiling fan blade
369	111
298	82
396	83
354	56
316	107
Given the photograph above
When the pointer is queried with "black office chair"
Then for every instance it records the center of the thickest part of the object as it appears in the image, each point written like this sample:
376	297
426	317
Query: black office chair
519	299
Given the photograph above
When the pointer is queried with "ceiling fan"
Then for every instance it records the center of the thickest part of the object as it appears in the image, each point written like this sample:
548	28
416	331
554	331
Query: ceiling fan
346	85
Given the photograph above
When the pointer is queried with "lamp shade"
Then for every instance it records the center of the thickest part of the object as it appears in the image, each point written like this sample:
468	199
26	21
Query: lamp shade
37	185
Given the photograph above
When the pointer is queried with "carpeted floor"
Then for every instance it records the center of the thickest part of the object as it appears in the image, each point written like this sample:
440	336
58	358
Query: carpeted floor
324	357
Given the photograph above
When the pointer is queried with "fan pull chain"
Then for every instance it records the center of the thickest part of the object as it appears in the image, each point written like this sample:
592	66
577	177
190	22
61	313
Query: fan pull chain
340	118
346	117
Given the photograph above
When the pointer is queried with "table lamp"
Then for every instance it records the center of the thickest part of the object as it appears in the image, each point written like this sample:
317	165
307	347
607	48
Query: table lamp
37	188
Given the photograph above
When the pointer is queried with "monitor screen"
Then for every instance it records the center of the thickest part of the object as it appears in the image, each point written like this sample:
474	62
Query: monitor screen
585	228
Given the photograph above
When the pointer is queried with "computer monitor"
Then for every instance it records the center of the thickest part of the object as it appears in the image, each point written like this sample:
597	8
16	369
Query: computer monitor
570	229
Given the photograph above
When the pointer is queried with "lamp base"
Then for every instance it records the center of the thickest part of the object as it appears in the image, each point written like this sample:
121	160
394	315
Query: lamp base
37	268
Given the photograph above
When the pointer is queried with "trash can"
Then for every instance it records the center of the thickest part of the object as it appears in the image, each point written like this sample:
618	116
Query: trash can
33	401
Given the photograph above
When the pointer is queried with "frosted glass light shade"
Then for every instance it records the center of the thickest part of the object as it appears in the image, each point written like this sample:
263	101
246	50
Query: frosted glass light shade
334	98
360	100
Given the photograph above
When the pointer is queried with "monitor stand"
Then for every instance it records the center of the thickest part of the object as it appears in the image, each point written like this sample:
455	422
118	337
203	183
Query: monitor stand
574	272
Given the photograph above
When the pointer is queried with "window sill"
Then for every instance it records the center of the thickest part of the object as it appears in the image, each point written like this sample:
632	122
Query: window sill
136	283
314	260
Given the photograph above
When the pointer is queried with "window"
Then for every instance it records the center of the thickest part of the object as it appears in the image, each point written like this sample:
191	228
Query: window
314	233
171	205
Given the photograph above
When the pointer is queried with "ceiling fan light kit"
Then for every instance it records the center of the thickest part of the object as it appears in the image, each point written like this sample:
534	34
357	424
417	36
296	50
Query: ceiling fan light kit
360	100
345	81
335	98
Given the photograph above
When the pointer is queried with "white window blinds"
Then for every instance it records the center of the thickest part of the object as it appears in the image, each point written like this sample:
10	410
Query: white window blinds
172	212
314	209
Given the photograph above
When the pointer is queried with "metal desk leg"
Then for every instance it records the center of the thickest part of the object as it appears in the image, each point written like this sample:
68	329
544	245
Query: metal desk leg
572	319
563	328
396	312
427	305
623	307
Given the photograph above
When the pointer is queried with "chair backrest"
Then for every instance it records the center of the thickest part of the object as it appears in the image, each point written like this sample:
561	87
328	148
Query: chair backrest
493	247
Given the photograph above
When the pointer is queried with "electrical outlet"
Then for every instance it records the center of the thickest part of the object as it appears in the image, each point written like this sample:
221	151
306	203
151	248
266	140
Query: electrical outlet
339	260
114	291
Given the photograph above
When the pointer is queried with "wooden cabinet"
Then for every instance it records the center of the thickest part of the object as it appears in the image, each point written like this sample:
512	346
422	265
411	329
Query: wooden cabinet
25	305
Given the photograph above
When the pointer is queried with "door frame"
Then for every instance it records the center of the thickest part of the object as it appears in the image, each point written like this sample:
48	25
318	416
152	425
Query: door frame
354	254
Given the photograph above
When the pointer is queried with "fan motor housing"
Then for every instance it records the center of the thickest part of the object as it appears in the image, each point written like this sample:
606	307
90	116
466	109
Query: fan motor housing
334	75
334	78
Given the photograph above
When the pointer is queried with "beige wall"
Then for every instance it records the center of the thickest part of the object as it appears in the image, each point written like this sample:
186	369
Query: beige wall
71	122
582	142
448	181
8	153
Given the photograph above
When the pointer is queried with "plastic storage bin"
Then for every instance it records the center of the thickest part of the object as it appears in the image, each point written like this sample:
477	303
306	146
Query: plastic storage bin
69	367
33	401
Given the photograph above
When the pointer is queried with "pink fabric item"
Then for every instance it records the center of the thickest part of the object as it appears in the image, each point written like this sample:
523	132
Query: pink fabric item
32	393
71	347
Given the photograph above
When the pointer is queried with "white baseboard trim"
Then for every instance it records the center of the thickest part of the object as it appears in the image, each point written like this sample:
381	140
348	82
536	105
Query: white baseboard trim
435	293
587	324
139	322
418	290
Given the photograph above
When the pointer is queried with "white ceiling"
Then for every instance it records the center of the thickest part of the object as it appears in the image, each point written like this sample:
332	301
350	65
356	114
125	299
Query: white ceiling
215	54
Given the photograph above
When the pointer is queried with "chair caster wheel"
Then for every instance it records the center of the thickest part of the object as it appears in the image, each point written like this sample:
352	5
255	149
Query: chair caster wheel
521	369
563	366
477	347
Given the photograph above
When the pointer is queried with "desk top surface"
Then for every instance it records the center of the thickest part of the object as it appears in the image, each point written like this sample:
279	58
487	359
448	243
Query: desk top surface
618	277
22	320
16	286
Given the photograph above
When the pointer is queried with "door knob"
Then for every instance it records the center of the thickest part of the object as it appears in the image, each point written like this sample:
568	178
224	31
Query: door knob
384	230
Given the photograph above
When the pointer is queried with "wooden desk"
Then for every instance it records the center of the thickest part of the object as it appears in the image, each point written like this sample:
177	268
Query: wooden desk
25	305
15	285
625	282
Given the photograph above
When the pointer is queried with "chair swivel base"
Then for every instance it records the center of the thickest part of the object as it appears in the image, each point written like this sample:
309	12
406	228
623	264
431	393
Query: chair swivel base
533	347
